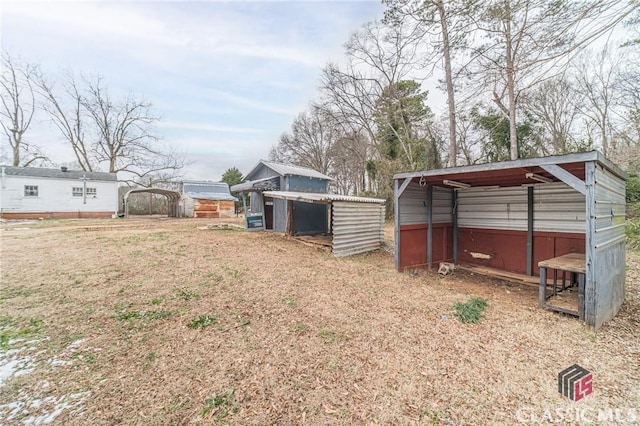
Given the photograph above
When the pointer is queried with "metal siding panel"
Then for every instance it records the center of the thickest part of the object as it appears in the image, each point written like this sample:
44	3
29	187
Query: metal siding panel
279	215
493	208
612	182
413	205
590	255
357	227
609	208
442	205
558	208
264	172
306	184
610	275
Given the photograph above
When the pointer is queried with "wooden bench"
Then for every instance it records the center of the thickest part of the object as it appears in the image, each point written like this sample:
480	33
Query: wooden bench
575	264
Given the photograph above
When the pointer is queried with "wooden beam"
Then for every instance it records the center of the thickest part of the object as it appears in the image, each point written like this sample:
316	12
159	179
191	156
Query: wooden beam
566	177
404	186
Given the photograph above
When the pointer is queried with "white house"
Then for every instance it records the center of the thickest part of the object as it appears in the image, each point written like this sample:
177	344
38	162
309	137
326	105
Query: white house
33	193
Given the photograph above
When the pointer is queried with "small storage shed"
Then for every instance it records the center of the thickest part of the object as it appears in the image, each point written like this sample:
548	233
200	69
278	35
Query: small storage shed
207	199
356	224
522	216
34	192
270	176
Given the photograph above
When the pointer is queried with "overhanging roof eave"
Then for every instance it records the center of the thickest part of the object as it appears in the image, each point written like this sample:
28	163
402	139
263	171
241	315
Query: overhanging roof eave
514	164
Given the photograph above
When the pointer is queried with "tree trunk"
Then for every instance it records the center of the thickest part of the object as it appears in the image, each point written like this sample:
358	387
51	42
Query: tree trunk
453	154
513	135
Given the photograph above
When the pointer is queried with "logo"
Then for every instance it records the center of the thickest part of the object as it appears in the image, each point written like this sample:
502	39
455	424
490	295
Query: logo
575	382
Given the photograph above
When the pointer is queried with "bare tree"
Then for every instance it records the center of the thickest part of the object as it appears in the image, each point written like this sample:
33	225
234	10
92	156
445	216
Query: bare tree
70	119
310	141
528	41
18	109
107	134
596	80
555	104
444	26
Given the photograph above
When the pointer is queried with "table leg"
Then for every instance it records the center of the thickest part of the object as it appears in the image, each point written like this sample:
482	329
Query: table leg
542	296
555	281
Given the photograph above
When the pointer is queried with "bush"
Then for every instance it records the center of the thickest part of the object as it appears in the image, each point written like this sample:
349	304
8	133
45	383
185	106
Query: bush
633	189
632	230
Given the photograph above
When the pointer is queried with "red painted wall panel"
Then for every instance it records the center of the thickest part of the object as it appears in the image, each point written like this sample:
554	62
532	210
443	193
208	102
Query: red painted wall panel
413	245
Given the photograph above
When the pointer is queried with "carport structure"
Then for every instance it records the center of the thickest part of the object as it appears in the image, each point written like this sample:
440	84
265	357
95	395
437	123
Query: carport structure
514	215
173	199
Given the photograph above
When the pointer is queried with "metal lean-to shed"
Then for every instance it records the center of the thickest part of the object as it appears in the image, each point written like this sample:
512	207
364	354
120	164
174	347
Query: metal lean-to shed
356	223
514	215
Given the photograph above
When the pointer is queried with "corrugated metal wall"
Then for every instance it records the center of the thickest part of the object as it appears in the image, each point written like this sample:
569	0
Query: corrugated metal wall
609	209
609	241
357	227
493	208
279	215
413	205
558	208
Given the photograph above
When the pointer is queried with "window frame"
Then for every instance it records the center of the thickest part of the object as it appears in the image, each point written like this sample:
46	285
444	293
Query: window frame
31	191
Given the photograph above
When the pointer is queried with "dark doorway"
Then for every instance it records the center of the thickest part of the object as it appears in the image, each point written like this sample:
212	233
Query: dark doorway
268	213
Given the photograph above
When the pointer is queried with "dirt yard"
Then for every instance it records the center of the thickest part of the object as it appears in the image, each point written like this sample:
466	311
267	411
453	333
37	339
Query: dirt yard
156	322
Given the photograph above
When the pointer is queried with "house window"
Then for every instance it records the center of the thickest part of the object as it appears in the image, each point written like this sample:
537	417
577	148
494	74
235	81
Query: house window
76	191
30	190
92	192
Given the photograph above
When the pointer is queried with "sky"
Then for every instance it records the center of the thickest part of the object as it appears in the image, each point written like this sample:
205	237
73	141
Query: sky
226	78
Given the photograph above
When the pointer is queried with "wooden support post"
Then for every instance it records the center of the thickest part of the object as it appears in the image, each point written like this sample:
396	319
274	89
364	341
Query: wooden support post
289	218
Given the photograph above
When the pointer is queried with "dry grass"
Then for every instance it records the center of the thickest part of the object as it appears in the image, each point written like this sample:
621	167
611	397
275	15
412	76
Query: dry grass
284	334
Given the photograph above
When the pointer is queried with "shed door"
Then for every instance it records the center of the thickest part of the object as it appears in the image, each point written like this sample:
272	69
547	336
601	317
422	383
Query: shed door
268	213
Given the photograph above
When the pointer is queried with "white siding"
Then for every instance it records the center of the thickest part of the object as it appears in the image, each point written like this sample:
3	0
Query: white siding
357	227
55	195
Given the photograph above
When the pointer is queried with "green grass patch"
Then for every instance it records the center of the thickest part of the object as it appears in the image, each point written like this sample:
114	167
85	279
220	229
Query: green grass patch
219	406
290	302
12	329
327	334
186	294
471	311
202	321
127	315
